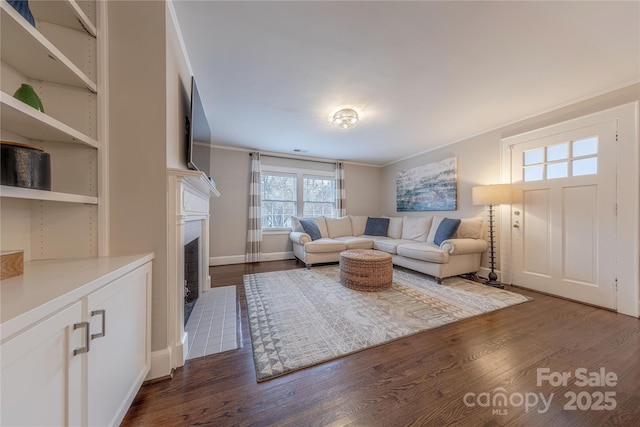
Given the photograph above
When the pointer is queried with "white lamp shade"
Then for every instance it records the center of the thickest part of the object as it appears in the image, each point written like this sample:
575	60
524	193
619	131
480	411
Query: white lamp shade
495	194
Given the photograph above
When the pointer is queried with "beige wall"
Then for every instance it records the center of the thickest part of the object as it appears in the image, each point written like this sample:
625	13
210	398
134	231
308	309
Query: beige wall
148	75
228	226
479	160
230	170
178	87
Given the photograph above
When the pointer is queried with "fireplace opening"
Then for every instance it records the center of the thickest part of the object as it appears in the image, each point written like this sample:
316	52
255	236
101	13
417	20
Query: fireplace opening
191	277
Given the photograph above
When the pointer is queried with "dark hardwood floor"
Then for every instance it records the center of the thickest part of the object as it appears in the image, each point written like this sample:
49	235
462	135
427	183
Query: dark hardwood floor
452	375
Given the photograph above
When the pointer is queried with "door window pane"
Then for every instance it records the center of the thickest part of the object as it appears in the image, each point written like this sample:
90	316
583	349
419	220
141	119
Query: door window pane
533	173
558	152
557	170
533	157
586	166
584	147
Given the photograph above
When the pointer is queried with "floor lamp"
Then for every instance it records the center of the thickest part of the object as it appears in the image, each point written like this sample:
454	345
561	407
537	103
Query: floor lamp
492	195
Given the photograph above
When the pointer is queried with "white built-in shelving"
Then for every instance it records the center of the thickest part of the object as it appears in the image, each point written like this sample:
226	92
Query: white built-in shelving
21	119
75	332
26	49
59	57
52	196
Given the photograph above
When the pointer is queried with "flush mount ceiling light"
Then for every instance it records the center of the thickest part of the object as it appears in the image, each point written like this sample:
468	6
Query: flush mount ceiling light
346	118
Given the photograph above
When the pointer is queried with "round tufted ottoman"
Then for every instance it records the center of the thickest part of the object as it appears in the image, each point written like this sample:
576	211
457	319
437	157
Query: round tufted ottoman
366	270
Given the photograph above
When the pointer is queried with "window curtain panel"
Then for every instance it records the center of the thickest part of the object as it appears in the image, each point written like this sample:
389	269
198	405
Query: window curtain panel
254	229
341	197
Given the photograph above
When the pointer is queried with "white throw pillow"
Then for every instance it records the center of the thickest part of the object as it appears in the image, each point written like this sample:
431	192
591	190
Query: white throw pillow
295	224
434	228
358	224
395	227
470	228
415	228
339	227
322	226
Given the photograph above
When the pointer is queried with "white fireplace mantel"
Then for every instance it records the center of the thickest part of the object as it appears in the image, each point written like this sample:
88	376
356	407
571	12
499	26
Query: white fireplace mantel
188	201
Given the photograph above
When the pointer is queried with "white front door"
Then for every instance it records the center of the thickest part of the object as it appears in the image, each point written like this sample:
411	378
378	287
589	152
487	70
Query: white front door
564	226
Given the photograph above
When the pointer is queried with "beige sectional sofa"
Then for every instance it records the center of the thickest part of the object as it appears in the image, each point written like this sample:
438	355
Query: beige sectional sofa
410	241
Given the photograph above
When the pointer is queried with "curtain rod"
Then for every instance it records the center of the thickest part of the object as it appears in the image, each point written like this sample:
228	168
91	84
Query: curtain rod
296	158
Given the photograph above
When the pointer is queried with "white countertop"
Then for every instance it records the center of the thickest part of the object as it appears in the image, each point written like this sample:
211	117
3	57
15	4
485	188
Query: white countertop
49	285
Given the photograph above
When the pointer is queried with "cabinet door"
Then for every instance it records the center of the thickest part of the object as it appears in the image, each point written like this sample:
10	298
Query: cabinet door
41	377
120	360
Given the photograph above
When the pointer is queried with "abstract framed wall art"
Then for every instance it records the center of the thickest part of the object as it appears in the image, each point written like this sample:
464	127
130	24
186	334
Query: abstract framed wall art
432	187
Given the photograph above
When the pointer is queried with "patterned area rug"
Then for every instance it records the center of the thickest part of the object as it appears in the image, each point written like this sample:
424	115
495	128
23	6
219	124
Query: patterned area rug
299	318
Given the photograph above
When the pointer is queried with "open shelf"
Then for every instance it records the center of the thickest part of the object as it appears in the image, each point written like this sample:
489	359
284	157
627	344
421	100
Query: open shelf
22	119
51	196
70	15
28	51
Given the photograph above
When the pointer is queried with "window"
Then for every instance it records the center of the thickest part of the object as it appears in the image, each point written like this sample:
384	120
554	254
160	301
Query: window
288	192
319	196
573	158
279	199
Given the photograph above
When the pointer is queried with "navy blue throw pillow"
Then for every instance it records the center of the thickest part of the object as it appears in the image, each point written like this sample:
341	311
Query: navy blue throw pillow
446	230
376	226
311	228
22	6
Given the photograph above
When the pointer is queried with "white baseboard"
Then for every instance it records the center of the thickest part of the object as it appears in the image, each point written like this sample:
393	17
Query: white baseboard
226	260
239	259
160	364
277	256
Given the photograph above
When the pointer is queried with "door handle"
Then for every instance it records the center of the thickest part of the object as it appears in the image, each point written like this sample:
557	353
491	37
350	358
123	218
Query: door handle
104	323
516	225
87	338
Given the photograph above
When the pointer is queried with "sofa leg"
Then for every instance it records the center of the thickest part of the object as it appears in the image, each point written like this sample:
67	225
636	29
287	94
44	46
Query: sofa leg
439	280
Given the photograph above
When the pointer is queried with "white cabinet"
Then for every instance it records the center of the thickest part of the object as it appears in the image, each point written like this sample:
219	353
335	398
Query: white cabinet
120	359
41	377
47	377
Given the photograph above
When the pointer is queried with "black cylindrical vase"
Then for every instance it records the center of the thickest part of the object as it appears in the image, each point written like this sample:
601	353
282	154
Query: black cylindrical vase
26	166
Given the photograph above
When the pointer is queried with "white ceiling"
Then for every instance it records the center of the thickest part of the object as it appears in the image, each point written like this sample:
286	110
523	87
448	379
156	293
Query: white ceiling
421	74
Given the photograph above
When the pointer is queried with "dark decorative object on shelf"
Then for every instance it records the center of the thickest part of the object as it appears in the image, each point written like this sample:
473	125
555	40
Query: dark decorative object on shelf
22	6
26	94
23	165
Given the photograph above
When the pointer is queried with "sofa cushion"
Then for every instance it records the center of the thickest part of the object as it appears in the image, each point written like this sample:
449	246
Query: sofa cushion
356	242
338	227
322	225
435	223
395	227
358	224
446	230
376	226
470	228
423	252
311	228
416	228
324	245
389	245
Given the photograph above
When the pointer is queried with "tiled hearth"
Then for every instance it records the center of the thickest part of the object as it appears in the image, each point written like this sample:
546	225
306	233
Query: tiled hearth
212	324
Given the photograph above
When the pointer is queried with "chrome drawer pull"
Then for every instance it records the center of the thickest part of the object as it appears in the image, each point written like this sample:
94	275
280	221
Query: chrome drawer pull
84	349
104	323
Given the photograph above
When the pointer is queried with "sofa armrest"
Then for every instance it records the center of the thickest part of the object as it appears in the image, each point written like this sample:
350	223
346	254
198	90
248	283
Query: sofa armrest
299	237
464	246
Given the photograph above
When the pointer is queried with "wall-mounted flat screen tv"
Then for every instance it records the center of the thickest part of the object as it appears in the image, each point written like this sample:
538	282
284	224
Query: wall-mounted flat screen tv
199	135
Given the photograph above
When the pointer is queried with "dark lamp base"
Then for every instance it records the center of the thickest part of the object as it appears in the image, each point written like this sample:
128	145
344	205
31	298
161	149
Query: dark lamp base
494	283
